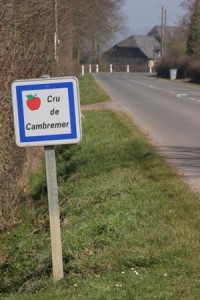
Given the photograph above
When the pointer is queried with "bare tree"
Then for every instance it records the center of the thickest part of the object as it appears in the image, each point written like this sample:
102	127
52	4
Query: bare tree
95	22
188	5
27	51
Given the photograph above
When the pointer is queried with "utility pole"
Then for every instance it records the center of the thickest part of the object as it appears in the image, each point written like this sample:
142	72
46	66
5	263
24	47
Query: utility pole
162	31
165	31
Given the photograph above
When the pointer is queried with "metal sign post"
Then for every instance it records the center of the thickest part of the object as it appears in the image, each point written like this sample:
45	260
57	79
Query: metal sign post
54	215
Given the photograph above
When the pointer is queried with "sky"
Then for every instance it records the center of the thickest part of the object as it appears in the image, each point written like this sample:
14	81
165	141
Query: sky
142	15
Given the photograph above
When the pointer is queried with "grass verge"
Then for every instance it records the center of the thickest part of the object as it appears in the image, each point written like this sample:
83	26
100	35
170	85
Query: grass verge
90	92
130	227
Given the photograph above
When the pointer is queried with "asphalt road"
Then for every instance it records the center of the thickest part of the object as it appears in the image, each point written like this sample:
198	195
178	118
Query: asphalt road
167	111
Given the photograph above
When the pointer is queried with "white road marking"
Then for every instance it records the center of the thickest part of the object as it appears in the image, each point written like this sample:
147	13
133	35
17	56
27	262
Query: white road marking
181	95
147	85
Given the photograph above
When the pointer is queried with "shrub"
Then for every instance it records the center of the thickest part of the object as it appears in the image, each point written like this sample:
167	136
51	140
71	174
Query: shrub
194	70
187	66
163	67
182	64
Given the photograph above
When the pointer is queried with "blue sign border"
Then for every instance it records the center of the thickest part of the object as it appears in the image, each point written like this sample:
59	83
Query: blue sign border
47	86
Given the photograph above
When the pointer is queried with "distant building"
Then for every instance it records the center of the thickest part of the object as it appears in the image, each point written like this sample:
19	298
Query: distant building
156	32
138	50
135	50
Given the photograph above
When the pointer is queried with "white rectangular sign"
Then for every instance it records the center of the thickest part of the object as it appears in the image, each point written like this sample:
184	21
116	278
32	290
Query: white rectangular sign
46	111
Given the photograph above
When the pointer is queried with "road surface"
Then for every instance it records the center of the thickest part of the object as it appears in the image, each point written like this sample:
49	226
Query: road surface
168	112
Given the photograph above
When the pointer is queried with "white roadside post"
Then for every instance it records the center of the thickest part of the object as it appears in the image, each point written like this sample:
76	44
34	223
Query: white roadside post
111	68
90	68
127	69
151	65
82	70
47	113
97	68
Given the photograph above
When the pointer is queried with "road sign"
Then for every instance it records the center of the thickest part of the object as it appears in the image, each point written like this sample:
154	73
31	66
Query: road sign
46	111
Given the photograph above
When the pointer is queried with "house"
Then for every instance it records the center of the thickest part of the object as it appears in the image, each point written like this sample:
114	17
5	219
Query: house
137	49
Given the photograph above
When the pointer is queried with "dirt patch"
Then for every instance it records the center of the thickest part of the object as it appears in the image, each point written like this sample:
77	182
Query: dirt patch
112	105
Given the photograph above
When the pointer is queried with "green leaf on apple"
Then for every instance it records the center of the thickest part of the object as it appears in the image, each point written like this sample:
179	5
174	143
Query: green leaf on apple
30	97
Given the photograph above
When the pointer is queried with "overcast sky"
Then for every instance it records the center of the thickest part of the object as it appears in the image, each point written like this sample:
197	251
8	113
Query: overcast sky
142	15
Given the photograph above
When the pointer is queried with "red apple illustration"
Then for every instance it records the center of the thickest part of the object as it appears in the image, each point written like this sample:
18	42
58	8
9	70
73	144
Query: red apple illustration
33	102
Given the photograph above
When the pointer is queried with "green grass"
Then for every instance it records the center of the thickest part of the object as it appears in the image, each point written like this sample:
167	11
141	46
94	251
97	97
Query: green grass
130	227
90	92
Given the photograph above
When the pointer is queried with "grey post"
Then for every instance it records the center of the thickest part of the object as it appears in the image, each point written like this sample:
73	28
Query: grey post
54	215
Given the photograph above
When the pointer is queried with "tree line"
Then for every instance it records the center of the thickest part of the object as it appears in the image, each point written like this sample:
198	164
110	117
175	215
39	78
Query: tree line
43	37
183	49
193	40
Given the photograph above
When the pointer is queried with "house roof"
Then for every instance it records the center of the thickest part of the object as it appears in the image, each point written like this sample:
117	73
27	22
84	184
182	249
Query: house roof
147	44
156	31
